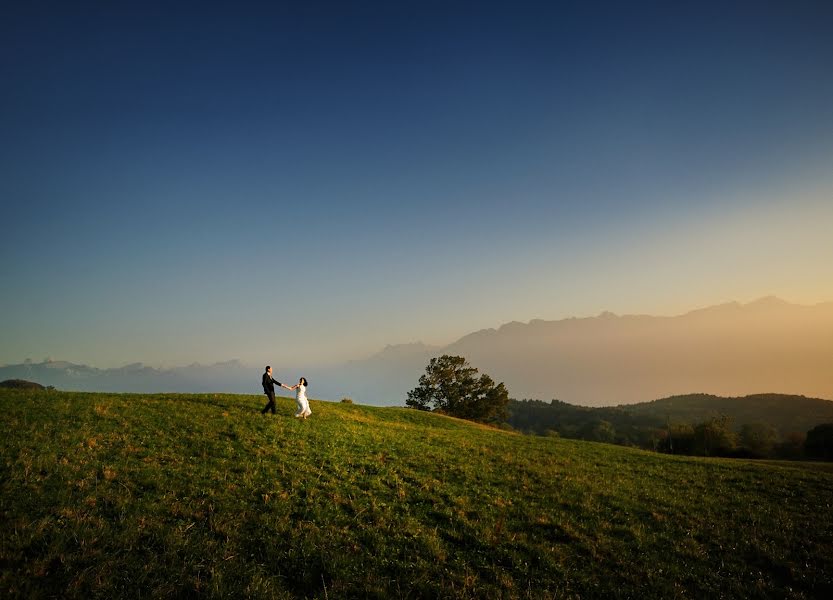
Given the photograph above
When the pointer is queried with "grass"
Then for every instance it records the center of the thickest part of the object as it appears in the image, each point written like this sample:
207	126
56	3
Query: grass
105	495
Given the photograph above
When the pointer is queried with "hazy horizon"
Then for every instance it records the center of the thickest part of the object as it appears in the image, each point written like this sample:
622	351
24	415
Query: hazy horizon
391	344
730	349
307	183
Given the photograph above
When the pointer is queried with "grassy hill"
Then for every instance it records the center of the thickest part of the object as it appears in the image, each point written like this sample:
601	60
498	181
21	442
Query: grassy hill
178	495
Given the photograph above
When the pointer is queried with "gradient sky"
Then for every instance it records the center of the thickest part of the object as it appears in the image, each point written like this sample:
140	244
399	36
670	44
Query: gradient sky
303	182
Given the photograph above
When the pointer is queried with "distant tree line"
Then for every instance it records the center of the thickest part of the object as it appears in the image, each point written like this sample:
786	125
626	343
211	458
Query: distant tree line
609	424
714	436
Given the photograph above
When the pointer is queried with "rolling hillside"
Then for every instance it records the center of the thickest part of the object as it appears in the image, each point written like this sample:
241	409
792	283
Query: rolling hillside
106	496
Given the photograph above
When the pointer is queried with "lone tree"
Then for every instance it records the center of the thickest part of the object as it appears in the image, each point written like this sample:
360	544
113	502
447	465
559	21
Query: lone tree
450	386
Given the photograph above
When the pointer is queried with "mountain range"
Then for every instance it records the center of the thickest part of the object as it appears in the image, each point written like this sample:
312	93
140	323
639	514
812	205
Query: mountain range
732	349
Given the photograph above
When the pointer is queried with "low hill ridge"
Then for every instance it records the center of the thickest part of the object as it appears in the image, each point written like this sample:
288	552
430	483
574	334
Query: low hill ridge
645	424
786	412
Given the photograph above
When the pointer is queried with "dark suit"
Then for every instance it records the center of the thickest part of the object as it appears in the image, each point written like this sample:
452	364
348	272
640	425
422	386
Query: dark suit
269	390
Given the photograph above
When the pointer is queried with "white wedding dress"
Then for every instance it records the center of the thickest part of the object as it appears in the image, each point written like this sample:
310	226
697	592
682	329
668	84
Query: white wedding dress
303	403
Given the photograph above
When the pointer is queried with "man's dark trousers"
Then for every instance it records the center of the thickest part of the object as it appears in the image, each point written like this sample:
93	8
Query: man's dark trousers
271	395
269	390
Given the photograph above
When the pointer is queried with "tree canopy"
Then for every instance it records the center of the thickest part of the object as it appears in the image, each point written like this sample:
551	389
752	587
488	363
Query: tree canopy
819	443
451	386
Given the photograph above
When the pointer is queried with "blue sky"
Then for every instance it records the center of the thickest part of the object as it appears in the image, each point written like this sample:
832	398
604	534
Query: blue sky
305	182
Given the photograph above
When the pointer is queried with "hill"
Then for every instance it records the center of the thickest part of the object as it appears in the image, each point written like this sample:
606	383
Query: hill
784	412
637	423
20	384
108	495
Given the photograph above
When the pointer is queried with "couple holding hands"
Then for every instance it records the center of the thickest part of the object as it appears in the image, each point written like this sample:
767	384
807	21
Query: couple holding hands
300	394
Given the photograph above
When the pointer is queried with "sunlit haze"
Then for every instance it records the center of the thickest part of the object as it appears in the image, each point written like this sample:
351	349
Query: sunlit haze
305	184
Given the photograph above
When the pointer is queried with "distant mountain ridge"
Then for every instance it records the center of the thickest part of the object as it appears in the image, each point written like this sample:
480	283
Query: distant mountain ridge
228	376
730	349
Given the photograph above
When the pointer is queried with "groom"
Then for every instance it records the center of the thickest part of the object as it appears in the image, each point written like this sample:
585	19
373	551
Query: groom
269	390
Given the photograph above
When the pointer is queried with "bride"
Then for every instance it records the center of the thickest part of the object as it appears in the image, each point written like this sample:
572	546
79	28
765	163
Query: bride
301	398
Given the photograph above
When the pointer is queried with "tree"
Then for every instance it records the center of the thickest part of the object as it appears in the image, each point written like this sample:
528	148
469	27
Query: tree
792	445
598	430
714	437
450	386
758	439
679	439
819	443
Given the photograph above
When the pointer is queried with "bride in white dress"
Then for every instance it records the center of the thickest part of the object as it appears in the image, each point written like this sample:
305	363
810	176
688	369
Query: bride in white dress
301	398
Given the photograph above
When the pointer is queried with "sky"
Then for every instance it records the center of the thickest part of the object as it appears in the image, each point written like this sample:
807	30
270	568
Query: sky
306	182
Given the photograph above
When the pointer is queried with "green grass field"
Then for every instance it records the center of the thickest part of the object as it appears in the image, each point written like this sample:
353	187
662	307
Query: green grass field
112	495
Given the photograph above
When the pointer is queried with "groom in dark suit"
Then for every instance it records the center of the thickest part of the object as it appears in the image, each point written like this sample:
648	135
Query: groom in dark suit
269	390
